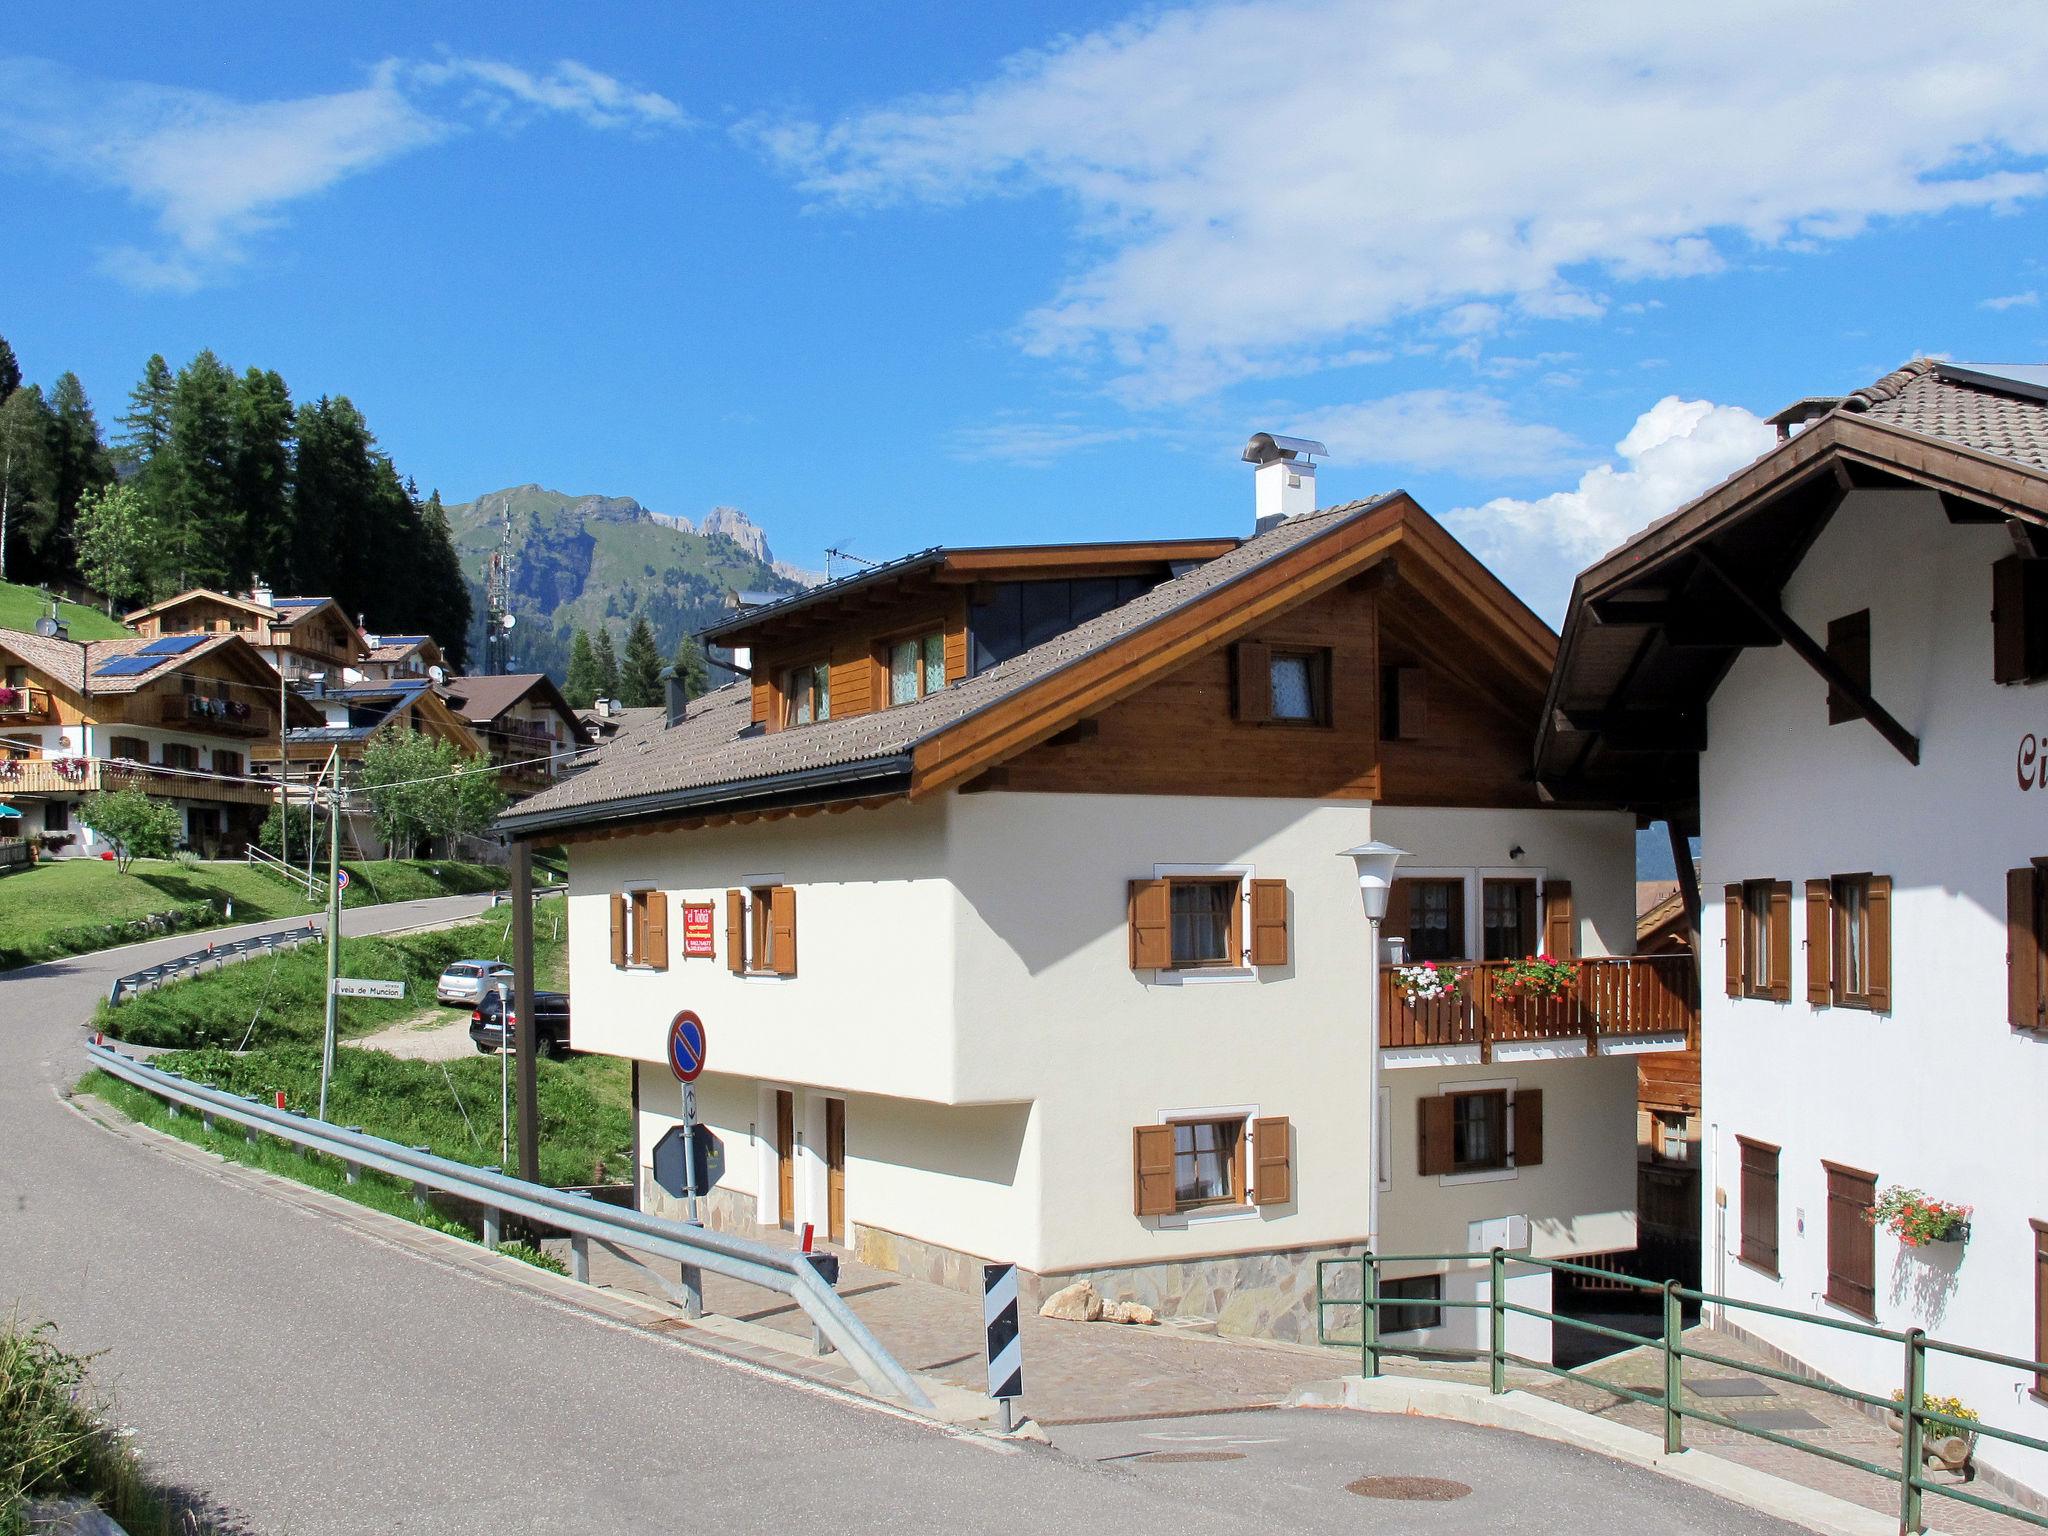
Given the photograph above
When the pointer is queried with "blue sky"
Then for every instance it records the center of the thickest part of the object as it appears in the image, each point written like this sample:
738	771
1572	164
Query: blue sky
962	274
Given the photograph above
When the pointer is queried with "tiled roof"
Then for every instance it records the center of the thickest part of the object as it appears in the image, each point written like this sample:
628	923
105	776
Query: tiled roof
481	700
715	744
73	664
1936	400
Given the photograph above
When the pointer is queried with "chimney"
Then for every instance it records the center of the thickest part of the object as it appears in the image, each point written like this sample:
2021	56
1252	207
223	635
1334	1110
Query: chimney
1283	478
678	693
260	595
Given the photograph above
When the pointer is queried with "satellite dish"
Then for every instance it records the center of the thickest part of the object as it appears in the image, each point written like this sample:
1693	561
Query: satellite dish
511	619
438	674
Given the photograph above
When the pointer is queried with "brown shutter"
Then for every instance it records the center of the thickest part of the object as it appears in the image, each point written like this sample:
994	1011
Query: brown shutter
1273	1166
1731	938
2009	620
1254	695
1411	702
2022	950
618	928
1560	925
1820	942
782	913
1528	1111
1269	922
1152	1170
654	929
1435	1118
1149	912
1877	957
735	932
1780	989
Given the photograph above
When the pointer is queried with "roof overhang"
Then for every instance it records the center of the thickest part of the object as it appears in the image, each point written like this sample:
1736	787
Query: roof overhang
785	793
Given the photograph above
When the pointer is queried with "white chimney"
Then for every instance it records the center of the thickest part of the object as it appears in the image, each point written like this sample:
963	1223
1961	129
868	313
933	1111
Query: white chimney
1283	479
260	595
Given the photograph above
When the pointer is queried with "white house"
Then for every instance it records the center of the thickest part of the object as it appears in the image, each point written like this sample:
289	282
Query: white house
1012	891
1830	661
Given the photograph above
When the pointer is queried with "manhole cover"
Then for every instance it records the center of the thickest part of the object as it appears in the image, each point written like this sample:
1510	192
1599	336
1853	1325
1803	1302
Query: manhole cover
1184	1458
1437	1490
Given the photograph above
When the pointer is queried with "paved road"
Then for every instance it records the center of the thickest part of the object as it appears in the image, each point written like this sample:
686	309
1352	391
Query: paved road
301	1377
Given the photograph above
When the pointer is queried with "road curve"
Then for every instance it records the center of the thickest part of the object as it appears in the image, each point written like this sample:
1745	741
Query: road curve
299	1376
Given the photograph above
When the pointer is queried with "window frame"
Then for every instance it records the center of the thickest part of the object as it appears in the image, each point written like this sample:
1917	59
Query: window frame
1528	929
1454	929
923	640
1235	956
1427	1305
1318	661
760	930
1843	926
1499	1099
1236	1167
818	696
1757	980
1746	1196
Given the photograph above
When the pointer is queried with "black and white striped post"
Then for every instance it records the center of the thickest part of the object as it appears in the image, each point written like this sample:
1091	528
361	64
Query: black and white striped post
1005	1345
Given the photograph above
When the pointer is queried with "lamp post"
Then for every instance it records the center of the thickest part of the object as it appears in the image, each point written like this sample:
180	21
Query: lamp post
1375	863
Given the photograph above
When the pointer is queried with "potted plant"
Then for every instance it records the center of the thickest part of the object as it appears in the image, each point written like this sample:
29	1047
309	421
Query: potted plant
1540	976
1952	1448
1917	1219
1427	982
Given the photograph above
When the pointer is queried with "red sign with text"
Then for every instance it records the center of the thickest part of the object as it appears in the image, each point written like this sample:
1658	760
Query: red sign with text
697	929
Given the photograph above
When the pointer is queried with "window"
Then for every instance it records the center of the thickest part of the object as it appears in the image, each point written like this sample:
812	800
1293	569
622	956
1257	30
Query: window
2019	620
1849	649
177	755
1204	928
1758	941
1208	1163
1851	980
56	816
1508	919
1849	942
1852	1241
2026	948
1430	916
917	666
1411	1318
227	762
640	929
807	694
1404	703
1759	1204
1198	922
760	930
1479	1131
134	748
1300	691
1672	1144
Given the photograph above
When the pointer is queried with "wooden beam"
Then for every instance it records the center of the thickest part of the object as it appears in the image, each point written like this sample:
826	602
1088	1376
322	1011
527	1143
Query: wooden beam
1689	892
1815	656
1967	509
1637	730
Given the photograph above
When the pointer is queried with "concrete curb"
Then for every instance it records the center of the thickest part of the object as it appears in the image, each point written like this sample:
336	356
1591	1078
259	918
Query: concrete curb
1527	1414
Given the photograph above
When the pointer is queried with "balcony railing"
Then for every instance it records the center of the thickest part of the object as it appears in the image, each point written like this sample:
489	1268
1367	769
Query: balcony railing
1614	998
232	716
82	776
26	706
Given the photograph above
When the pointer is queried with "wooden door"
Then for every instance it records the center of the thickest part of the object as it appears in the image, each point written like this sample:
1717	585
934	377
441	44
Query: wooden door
835	1170
785	1158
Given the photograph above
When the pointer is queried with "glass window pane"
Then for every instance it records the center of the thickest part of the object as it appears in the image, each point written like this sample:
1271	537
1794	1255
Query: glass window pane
934	663
1202	1154
800	695
1476	1131
1507	931
903	664
1201	922
821	692
1293	698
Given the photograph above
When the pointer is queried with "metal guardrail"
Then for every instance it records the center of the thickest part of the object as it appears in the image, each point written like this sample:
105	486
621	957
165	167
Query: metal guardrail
269	863
1917	1420
774	1269
216	955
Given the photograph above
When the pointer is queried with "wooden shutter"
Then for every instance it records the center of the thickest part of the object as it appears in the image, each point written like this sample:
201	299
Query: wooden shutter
1759	1213
1150	911
1731	939
1820	942
2040	1302
1877	952
1849	649
1411	703
654	929
1269	922
1152	1170
1254	693
1527	1107
1560	925
1852	1242
782	914
1436	1119
618	928
2009	620
1273	1161
2022	950
1398	923
735	932
1780	989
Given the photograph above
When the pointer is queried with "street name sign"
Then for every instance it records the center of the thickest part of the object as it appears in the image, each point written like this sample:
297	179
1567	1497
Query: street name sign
356	986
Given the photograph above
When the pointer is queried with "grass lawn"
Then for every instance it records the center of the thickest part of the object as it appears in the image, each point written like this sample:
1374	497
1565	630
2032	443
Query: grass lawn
71	906
21	606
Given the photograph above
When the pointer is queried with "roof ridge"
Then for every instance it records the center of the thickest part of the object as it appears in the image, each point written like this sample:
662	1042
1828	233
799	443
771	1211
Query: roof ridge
1891	386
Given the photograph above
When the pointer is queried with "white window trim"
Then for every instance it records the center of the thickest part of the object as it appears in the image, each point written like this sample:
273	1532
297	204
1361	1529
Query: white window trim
1486	1175
1475	877
1168	976
1246	1211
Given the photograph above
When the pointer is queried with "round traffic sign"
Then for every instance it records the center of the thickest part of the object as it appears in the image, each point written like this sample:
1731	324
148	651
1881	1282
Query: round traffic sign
343	882
686	1046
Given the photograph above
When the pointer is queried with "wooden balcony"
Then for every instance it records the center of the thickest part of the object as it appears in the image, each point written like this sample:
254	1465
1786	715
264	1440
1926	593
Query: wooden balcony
1619	998
237	715
26	706
80	776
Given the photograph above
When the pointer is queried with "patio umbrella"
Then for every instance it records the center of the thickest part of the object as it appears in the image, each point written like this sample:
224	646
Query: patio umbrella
8	810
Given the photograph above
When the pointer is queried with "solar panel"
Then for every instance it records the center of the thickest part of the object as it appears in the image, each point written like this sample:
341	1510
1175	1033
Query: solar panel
127	666
171	645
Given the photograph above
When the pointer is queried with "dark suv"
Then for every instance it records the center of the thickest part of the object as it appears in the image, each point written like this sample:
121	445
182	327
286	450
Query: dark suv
550	1024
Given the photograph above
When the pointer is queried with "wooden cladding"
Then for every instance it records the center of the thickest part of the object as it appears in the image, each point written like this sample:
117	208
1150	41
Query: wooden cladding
1759	1197
1195	922
2026	948
1404	703
639	932
1852	1241
2019	620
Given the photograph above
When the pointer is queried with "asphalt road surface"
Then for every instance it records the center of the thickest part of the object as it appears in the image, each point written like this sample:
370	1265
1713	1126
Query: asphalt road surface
295	1376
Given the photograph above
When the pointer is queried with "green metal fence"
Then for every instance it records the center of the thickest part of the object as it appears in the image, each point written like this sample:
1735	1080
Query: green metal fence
1909	1472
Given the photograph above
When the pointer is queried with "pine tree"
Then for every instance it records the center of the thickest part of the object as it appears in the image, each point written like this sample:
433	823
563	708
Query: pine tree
79	463
147	423
333	511
260	475
10	370
607	665
690	666
26	506
640	671
198	476
580	687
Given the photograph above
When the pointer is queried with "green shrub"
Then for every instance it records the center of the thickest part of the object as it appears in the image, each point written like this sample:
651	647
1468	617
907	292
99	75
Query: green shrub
539	1258
84	938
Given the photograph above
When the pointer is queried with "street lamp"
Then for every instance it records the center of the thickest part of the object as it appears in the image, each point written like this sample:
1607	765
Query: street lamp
1375	863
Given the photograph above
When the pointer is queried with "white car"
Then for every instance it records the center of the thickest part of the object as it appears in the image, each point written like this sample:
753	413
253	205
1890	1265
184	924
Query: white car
466	981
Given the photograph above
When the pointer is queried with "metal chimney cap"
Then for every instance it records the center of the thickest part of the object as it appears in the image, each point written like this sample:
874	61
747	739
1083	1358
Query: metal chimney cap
1266	447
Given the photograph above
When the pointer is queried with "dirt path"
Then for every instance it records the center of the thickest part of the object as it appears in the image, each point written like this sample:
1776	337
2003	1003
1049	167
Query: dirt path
433	1034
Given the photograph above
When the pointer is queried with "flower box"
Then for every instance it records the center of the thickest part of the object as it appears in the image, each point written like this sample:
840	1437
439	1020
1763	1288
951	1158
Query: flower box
1917	1219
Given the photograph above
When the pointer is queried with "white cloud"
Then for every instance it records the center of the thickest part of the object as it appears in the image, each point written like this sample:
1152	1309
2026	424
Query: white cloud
1676	450
217	172
1253	182
1034	443
2025	300
1440	429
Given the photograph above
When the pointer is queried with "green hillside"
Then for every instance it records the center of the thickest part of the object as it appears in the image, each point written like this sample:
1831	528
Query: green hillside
601	561
20	607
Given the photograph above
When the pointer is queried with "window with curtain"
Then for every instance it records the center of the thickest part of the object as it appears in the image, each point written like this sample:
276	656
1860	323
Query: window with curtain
917	666
1204	923
1208	1163
1479	1130
1508	914
1437	920
808	695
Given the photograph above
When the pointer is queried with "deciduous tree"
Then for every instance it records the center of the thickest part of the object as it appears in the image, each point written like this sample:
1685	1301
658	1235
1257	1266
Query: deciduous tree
137	826
116	536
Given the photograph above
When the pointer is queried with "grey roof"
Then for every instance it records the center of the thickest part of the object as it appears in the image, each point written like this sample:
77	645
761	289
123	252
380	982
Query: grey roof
1962	405
716	745
74	664
824	591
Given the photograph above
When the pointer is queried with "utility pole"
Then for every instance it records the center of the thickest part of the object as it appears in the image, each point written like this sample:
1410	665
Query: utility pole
333	921
529	1031
284	793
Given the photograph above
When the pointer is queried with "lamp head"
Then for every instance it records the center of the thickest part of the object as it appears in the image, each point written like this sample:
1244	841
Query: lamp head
1375	862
